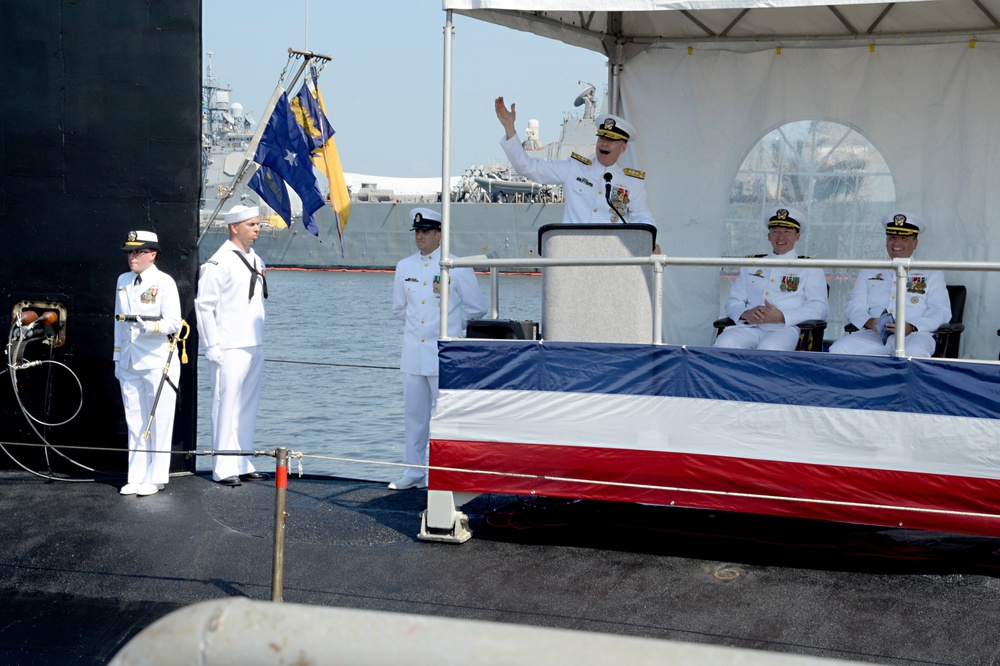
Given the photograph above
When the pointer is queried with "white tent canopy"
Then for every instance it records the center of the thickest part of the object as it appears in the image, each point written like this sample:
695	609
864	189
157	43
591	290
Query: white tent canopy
635	24
917	84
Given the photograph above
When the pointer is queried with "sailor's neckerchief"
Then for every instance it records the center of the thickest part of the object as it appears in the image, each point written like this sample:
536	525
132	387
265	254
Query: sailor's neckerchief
253	274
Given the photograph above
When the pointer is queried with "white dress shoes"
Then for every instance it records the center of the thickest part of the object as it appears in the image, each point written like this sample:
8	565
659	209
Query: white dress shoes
147	489
405	483
130	489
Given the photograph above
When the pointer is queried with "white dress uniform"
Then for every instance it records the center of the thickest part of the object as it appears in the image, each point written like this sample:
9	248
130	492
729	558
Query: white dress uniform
232	319
140	354
874	292
800	294
584	186
416	300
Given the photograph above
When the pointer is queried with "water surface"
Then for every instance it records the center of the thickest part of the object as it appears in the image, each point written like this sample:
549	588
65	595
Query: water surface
332	385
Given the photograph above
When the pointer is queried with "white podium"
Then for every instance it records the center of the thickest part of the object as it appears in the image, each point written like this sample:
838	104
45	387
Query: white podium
597	303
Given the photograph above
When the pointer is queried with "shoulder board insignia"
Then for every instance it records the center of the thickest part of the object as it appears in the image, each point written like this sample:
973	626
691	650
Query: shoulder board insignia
635	173
580	158
756	256
805	257
210	261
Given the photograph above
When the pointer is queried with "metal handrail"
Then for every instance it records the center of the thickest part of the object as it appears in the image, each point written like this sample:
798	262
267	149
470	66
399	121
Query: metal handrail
660	261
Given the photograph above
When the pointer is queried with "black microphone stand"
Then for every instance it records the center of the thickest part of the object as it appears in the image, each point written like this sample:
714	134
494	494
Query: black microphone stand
607	196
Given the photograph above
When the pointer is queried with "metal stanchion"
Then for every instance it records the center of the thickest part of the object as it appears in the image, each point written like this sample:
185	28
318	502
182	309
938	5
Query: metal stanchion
280	516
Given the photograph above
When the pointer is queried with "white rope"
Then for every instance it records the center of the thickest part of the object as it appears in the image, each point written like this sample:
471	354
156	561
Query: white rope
695	491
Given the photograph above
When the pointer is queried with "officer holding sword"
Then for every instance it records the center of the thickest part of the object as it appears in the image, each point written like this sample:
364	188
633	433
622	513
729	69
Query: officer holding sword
147	312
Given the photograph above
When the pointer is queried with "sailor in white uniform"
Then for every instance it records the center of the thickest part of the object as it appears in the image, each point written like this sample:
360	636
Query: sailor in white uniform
874	295
767	303
416	299
150	309
232	288
588	185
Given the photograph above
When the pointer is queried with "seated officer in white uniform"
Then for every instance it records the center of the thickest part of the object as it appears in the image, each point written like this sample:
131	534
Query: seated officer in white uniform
767	303
416	299
586	182
874	294
150	309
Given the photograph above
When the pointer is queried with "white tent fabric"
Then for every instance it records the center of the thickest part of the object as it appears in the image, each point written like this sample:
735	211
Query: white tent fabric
928	104
927	109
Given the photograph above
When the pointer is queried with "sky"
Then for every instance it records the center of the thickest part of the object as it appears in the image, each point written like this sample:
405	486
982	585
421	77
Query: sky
383	86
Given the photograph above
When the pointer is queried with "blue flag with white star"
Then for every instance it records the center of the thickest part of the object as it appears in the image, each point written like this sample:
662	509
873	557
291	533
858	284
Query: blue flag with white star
272	190
284	149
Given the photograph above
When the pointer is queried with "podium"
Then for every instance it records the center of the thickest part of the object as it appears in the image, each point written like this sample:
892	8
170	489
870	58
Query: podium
597	303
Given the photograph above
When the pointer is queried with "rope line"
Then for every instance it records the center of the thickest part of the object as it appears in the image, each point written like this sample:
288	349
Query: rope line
696	491
299	456
330	365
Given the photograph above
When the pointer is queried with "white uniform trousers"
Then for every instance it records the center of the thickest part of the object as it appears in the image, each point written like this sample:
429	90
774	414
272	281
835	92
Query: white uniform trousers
757	337
138	392
235	395
867	341
420	394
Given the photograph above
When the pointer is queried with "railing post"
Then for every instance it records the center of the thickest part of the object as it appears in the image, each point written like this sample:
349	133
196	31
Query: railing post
280	517
899	350
494	294
657	303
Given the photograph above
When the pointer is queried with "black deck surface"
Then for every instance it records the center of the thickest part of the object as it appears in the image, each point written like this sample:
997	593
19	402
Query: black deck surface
83	569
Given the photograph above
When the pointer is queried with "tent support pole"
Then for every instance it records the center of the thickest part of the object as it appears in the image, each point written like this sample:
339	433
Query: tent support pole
449	33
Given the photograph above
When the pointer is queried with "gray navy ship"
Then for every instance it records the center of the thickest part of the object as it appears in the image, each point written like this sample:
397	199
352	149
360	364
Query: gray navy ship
493	209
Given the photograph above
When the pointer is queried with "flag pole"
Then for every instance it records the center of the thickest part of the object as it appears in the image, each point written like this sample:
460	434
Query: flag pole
261	126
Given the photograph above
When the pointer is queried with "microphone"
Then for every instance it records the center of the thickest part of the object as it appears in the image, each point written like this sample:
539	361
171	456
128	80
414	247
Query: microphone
607	196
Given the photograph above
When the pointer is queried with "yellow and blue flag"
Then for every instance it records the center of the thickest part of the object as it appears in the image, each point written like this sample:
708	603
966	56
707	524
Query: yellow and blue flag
285	151
310	112
315	124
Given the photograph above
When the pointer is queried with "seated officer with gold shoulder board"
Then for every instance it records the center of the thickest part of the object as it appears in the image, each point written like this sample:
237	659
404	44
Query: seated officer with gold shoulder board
767	303
873	298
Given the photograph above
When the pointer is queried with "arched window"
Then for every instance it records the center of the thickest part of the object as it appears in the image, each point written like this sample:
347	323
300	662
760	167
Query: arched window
831	173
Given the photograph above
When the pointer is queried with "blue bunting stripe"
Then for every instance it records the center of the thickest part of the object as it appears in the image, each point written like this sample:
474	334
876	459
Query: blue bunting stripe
883	384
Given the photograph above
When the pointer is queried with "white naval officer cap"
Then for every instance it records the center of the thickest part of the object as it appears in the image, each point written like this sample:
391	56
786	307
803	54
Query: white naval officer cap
614	127
241	214
141	240
899	223
425	219
783	216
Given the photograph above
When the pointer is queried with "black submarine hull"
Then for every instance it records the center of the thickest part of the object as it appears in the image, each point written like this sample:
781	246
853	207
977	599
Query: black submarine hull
99	135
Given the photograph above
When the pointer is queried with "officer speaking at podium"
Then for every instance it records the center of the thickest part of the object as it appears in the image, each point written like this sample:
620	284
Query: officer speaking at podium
585	182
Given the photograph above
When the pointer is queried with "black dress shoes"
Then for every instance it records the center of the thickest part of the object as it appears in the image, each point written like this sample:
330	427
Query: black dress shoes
255	476
230	481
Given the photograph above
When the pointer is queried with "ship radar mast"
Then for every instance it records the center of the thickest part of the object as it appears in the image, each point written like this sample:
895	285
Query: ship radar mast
587	99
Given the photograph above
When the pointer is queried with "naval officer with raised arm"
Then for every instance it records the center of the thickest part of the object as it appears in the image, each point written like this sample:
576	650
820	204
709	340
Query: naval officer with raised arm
588	185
